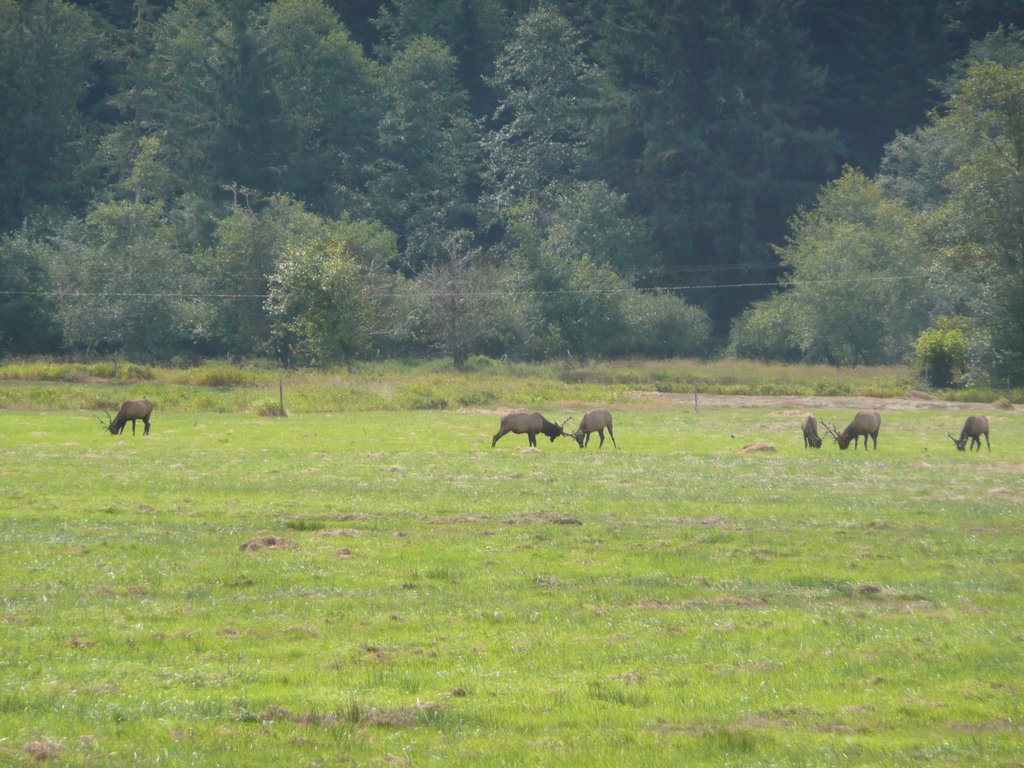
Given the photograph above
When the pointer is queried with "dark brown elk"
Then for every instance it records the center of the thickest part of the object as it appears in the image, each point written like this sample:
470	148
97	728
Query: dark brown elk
865	424
809	426
596	420
531	423
974	428
130	410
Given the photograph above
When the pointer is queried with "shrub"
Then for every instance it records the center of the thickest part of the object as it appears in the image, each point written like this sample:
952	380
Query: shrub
940	353
663	325
269	408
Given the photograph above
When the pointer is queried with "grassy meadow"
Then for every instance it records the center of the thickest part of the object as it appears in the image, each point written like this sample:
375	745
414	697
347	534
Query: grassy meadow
376	585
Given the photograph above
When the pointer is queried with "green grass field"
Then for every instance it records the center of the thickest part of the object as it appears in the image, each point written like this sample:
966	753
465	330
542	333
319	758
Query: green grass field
433	601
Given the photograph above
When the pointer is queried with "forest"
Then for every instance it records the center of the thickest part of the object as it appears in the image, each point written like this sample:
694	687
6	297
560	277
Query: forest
325	181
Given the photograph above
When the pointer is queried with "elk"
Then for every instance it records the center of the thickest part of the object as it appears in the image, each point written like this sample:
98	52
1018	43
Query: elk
865	424
130	410
596	420
974	428
530	422
809	426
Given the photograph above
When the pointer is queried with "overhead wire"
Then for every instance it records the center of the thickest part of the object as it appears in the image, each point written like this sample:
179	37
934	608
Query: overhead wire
782	283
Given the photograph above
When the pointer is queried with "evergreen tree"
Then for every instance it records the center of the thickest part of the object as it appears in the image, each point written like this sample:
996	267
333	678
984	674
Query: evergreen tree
421	185
545	89
46	48
712	131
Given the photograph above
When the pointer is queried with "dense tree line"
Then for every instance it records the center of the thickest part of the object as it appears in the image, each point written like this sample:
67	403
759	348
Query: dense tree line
324	180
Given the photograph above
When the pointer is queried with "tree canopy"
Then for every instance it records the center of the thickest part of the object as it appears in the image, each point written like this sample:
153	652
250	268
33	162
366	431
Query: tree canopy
326	179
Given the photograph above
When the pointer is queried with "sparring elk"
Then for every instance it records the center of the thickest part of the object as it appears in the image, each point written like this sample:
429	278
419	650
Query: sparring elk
596	420
974	428
531	423
809	426
865	424
130	410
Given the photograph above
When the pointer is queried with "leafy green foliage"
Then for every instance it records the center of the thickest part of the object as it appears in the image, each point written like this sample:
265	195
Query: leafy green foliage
324	103
123	282
940	353
544	85
857	287
420	184
653	150
26	317
46	49
318	304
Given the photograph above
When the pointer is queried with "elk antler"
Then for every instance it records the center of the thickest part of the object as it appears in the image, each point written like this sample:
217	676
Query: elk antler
831	431
955	441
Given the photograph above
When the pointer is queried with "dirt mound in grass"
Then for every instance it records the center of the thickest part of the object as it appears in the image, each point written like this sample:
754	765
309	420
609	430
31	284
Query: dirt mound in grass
271	542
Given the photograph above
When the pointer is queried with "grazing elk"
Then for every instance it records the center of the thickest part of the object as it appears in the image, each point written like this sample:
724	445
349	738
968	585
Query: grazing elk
865	424
809	426
531	423
974	428
130	410
597	420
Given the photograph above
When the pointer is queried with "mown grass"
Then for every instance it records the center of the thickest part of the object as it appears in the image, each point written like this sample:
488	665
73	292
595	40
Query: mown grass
433	601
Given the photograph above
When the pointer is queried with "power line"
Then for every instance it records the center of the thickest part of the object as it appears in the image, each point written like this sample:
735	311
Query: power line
495	292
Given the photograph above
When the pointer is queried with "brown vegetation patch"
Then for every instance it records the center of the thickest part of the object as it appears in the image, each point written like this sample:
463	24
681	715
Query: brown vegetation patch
394	717
270	542
398	717
758	447
450	519
544	516
916	394
345	517
351	533
1004	493
887	593
79	642
41	750
1001	725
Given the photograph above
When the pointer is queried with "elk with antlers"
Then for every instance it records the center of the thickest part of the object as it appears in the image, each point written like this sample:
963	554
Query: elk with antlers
865	424
597	420
130	410
530	423
974	428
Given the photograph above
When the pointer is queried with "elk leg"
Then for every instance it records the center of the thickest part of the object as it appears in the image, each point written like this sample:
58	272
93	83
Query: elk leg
146	430
600	433
533	439
612	436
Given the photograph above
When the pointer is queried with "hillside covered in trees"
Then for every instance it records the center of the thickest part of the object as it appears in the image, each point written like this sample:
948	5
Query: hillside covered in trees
326	180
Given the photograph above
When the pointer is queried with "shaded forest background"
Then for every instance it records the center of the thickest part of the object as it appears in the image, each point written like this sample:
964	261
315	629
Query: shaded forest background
322	181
